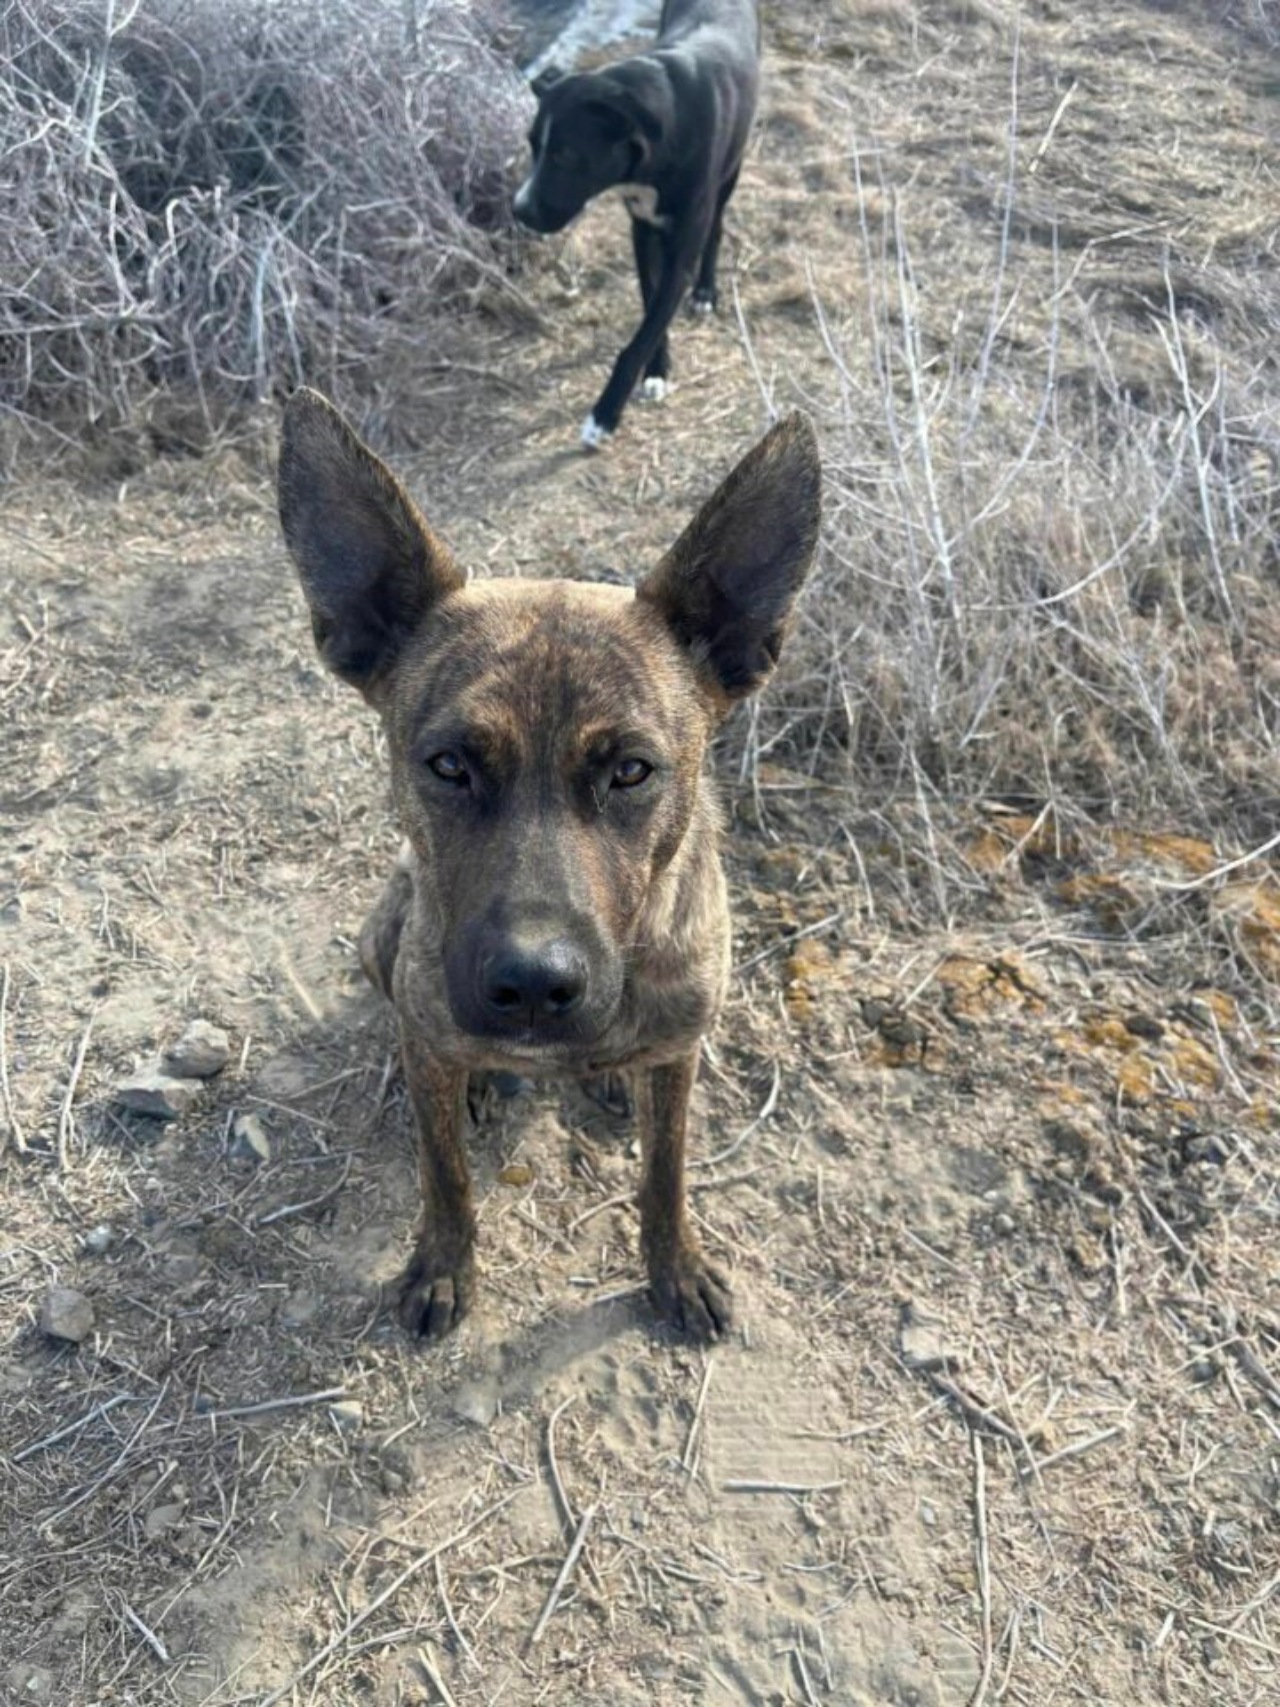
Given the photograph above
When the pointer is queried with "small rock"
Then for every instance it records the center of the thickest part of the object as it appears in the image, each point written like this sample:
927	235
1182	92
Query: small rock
99	1240
347	1415
928	1515
157	1094
516	1173
249	1141
200	1052
923	1340
160	1518
66	1315
476	1402
32	1683
1144	1025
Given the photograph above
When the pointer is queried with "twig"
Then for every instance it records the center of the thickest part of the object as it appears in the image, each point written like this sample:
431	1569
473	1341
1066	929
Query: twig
566	1571
449	1619
285	1404
779	1487
380	1600
20	1142
797	1654
976	1415
80	1422
287	1209
687	1458
65	1120
149	1636
983	1552
767	1108
434	1678
788	941
1054	122
569	1516
1221	870
1073	1449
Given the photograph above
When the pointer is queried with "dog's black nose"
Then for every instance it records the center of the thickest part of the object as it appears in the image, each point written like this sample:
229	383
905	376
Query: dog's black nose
532	984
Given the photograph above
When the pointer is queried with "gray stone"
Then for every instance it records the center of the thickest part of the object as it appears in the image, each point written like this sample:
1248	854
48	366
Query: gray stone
347	1415
99	1240
249	1141
923	1340
201	1051
158	1094
66	1315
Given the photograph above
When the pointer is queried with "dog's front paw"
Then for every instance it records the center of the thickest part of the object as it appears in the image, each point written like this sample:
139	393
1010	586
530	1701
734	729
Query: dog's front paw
702	302
693	1296
593	434
654	389
435	1296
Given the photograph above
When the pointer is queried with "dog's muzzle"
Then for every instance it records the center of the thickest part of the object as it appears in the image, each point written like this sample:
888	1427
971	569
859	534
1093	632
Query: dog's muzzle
535	986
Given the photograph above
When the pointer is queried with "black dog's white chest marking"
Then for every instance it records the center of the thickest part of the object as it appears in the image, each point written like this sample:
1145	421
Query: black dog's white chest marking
641	202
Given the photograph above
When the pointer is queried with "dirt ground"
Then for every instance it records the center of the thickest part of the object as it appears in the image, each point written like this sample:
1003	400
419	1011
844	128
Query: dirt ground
1002	1418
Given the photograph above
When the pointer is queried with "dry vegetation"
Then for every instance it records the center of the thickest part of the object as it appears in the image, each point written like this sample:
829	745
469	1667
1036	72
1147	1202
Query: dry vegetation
204	203
990	1133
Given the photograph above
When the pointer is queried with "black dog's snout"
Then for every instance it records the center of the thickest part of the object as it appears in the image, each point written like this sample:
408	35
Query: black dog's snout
532	984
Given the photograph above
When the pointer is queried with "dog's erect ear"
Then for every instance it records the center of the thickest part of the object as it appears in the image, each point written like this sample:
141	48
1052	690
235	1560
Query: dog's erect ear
370	566
546	78
727	585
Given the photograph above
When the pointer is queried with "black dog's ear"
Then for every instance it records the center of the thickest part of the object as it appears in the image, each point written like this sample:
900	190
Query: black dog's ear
549	75
727	585
370	566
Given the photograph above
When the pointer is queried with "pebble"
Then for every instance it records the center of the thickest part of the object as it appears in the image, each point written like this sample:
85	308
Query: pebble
99	1240
476	1402
923	1340
347	1415
66	1315
249	1141
157	1094
201	1051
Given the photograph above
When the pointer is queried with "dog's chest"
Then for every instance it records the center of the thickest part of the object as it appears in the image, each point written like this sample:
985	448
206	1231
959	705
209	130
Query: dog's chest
641	202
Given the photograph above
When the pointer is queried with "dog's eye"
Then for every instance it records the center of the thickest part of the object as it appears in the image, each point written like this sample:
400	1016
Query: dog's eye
631	773
448	767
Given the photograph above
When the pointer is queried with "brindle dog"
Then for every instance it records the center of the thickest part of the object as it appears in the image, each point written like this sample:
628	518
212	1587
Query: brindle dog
560	905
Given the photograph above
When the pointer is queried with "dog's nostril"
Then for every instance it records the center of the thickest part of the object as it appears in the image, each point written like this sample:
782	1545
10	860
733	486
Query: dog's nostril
563	997
505	996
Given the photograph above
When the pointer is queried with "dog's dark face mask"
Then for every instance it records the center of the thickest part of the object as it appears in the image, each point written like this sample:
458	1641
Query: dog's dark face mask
584	141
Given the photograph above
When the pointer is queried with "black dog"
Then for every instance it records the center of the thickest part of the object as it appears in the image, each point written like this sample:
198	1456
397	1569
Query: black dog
669	127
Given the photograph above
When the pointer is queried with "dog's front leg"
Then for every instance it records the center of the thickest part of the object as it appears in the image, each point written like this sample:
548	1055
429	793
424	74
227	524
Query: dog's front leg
680	257
439	1283
687	1290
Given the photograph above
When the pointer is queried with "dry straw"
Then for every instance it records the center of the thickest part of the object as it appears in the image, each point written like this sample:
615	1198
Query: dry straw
204	203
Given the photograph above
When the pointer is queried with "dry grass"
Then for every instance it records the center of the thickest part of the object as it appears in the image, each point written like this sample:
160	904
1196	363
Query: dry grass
1052	439
205	204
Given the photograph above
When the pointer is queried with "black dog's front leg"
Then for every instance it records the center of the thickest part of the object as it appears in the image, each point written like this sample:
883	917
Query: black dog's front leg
647	246
681	253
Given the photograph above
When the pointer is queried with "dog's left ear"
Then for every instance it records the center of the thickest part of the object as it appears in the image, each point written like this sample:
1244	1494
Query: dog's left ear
727	585
370	566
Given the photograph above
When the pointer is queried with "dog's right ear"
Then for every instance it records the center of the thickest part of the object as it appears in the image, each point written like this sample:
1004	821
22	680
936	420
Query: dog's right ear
370	566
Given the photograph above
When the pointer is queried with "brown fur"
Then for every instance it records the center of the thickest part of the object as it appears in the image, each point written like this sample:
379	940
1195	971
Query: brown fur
546	688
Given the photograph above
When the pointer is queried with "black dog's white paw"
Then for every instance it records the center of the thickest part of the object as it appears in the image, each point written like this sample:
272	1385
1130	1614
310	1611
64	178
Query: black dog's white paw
593	434
702	302
654	389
